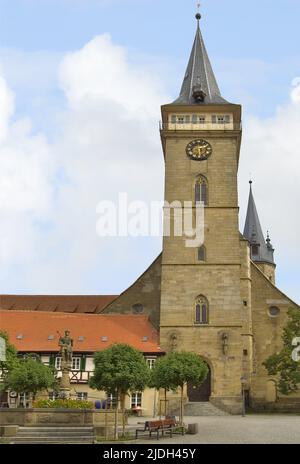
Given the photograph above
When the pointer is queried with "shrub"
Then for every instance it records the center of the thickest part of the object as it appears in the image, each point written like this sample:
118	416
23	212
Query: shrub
63	404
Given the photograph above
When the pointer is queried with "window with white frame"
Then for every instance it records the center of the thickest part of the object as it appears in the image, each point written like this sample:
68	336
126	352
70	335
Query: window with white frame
58	363
111	401
82	396
221	119
151	362
76	364
24	399
198	119
53	396
180	119
136	400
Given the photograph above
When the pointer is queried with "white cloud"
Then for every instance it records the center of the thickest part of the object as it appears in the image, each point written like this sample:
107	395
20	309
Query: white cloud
109	143
6	107
295	95
270	155
101	71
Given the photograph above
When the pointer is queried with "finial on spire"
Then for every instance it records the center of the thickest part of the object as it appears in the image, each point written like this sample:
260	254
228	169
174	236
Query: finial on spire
198	15
269	244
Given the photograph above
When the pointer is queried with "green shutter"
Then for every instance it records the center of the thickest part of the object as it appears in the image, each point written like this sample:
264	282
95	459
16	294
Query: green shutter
83	363
52	360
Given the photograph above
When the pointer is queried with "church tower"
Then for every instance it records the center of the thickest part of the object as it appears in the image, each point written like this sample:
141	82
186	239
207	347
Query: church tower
204	291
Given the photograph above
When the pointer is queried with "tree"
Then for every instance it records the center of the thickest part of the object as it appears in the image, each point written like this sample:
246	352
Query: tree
120	370
282	363
178	369
11	359
29	375
160	377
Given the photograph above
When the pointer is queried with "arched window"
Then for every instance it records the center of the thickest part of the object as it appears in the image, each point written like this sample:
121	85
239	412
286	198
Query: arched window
201	311
201	190
202	253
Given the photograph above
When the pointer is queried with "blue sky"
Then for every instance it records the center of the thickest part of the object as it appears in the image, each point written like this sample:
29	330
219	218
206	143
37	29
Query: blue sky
262	31
254	49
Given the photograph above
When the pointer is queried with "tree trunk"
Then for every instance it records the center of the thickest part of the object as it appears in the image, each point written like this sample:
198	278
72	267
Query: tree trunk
123	412
165	403
106	421
181	407
116	417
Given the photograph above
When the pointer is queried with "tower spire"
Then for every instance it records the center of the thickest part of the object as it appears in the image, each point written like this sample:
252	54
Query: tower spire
262	250
199	85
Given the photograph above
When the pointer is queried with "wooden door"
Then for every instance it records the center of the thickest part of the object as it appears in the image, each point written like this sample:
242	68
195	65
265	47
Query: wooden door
200	394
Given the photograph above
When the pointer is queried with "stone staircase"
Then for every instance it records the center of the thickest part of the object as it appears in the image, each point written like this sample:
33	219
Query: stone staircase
54	435
203	409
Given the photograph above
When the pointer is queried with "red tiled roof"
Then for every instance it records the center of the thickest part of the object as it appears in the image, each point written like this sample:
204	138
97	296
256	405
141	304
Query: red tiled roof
56	303
36	327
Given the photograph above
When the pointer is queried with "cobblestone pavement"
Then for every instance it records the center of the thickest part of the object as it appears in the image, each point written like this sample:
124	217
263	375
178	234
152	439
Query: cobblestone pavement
253	429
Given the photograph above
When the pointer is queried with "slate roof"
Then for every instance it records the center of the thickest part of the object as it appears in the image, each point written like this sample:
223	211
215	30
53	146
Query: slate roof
254	234
199	73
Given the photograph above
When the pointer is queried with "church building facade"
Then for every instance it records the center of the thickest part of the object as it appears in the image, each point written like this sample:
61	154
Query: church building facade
218	299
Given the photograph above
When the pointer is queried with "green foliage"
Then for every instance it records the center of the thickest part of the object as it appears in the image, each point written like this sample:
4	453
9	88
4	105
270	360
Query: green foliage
29	375
11	353
176	369
282	364
11	359
63	404
120	369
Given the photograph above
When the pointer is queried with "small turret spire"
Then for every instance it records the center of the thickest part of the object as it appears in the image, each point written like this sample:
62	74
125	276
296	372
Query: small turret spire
262	250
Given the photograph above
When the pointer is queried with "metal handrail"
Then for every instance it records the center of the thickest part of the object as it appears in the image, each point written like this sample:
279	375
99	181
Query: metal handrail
199	126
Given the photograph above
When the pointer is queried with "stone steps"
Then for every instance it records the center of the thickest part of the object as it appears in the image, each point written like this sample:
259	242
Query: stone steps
52	441
52	435
203	409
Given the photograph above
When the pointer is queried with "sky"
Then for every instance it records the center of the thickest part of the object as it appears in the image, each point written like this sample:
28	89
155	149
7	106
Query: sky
81	84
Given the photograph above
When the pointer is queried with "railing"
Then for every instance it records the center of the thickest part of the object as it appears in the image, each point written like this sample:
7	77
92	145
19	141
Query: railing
207	126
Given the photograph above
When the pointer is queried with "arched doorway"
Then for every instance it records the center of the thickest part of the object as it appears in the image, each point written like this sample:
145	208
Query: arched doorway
200	394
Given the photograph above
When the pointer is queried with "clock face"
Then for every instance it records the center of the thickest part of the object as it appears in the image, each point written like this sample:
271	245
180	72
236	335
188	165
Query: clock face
199	150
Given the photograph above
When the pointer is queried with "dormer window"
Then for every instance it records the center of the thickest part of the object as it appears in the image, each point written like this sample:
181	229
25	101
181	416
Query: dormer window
255	250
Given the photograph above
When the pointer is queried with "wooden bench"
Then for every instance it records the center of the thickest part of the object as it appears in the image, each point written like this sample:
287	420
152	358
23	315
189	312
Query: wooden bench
162	427
145	429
